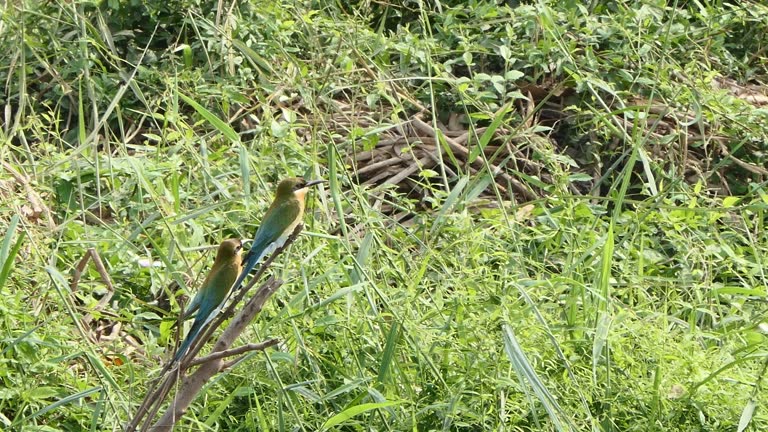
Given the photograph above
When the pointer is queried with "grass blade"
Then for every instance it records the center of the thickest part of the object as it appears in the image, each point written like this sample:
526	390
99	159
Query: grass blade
61	402
214	120
7	256
526	372
389	352
348	413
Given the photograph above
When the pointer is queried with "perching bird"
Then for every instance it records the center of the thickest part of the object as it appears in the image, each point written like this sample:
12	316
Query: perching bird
278	223
214	290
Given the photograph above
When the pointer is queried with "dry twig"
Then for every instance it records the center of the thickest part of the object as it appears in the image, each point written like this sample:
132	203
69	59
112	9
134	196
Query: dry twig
212	364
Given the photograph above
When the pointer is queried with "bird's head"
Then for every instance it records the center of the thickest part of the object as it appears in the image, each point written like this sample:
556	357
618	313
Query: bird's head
295	186
229	249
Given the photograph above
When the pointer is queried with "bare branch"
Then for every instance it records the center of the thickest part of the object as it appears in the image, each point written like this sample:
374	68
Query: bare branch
212	364
231	363
92	254
192	384
234	351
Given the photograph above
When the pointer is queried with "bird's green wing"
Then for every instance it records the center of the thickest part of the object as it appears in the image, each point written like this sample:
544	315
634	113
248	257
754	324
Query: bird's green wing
214	290
276	221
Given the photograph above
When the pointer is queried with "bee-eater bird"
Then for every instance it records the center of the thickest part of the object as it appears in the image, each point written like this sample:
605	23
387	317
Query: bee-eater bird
282	217
214	290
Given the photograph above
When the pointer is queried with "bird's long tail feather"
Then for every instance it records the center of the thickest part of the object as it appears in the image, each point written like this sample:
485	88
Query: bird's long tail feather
194	332
191	336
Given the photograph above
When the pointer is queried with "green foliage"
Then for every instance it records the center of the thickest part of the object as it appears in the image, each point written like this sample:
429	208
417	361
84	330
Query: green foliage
149	131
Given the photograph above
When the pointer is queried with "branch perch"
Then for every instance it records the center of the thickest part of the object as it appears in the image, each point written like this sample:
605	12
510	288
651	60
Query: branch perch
192	384
214	363
234	351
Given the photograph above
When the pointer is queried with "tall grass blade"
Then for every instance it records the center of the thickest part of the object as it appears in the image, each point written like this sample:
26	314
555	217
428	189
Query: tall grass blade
351	412
526	373
214	120
389	352
8	254
59	403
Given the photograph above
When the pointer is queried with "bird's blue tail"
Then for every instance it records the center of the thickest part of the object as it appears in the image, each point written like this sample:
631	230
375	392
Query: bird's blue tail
191	336
250	263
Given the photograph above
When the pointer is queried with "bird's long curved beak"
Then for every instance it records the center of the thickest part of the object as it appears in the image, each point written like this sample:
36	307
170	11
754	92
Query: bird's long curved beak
313	182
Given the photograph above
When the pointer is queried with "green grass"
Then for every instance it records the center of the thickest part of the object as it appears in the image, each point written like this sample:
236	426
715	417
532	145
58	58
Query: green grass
628	294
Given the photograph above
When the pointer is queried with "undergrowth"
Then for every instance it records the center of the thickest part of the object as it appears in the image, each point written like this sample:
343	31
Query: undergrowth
573	238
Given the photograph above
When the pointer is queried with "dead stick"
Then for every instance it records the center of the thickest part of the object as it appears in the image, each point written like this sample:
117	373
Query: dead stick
192	384
93	255
156	395
33	197
747	166
385	163
235	351
421	163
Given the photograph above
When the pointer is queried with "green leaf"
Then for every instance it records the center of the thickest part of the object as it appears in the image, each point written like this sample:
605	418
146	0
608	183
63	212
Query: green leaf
219	124
505	52
467	57
746	415
351	412
579	177
41	393
730	201
513	75
7	257
485	139
256	60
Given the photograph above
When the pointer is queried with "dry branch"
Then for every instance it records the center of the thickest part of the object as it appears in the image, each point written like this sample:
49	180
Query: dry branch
192	384
494	170
36	204
92	254
234	352
212	364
